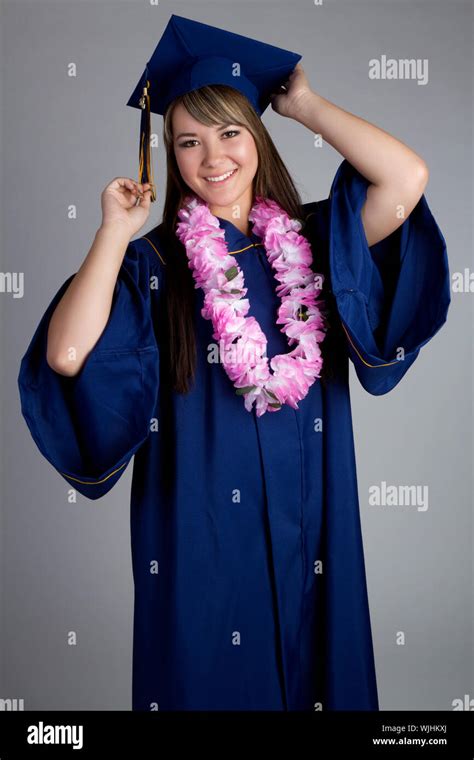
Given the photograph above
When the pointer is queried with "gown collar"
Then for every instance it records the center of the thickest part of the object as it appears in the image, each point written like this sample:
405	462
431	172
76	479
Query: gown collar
235	238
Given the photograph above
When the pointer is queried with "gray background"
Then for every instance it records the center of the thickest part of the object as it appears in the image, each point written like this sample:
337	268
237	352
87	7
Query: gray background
67	566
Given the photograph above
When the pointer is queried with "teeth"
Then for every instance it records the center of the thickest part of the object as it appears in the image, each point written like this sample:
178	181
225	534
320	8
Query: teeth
219	179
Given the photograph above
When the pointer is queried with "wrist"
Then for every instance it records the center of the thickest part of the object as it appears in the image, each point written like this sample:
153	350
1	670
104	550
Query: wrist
119	231
307	108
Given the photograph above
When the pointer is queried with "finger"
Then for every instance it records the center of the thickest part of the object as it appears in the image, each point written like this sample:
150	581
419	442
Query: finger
142	186
145	198
132	191
146	186
146	189
126	185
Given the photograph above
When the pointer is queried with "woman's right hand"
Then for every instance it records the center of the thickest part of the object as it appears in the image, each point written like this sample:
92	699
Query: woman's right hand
118	201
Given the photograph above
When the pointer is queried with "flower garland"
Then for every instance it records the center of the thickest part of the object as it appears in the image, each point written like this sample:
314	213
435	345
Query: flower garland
218	274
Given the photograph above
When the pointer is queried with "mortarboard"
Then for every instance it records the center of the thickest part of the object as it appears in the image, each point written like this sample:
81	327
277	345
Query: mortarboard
190	55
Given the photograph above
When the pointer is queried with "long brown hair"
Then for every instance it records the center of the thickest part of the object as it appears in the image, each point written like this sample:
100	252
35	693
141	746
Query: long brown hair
211	105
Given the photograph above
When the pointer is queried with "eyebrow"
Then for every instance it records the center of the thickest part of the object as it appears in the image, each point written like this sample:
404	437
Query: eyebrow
193	134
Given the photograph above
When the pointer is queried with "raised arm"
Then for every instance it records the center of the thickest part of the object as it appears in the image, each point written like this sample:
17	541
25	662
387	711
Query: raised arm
82	313
397	175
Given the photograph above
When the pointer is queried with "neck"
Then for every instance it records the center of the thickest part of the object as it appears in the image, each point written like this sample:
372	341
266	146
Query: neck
237	213
241	224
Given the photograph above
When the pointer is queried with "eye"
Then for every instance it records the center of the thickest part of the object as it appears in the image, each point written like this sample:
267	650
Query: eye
186	143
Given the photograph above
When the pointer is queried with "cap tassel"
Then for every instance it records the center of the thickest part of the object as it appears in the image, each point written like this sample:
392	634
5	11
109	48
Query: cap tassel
145	171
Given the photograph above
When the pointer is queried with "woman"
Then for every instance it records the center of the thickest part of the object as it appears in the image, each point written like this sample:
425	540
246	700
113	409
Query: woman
250	589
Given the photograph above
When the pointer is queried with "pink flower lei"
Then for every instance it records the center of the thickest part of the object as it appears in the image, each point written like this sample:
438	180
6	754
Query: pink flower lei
242	342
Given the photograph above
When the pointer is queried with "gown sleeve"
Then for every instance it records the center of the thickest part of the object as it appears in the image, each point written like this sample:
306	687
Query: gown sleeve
88	426
392	297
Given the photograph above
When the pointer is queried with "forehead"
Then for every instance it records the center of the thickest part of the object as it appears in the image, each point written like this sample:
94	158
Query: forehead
181	120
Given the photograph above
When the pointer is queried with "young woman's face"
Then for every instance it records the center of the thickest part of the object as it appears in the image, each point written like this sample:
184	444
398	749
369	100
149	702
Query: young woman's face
203	153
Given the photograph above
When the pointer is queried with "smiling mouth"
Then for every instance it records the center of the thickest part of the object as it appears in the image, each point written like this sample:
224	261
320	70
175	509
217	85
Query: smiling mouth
221	178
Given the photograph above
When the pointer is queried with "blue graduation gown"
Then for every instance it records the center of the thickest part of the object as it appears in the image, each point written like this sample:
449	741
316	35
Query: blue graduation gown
247	553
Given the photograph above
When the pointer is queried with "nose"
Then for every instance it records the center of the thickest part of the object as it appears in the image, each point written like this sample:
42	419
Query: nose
213	155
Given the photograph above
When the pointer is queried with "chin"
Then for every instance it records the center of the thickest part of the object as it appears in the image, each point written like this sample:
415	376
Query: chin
224	196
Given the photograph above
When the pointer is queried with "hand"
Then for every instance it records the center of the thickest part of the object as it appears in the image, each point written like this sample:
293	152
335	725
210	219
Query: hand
295	90
118	201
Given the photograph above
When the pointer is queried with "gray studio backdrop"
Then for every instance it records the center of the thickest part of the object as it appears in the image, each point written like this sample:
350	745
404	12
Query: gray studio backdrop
66	567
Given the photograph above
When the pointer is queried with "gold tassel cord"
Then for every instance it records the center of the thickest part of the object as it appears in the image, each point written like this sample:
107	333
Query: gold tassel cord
145	170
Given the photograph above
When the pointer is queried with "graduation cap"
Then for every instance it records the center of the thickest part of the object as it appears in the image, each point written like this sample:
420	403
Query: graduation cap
190	55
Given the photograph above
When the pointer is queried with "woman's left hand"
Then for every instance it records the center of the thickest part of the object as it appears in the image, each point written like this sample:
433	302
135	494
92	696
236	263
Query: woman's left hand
286	103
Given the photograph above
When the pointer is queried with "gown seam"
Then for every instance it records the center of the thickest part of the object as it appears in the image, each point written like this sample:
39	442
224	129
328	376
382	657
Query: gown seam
241	250
144	237
303	558
372	366
95	482
274	590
